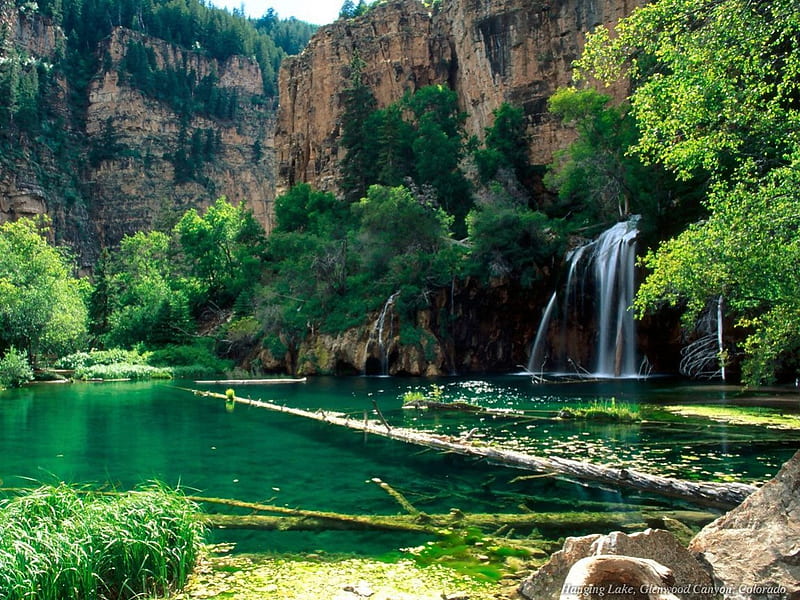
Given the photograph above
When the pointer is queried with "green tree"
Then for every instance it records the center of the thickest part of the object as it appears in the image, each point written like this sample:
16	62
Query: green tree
42	309
358	134
506	144
148	299
223	250
718	92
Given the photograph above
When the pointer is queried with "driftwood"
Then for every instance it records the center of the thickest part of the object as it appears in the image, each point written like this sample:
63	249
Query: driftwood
252	381
713	494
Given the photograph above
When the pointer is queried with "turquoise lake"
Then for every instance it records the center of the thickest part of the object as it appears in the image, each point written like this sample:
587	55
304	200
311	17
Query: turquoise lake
123	434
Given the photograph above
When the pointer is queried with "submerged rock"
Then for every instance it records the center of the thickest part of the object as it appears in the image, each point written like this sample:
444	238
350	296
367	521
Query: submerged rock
691	582
754	550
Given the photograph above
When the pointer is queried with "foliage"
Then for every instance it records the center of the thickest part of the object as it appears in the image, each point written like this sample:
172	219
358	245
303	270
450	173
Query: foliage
506	145
103	357
597	177
199	355
606	410
42	308
419	139
56	542
148	301
222	250
718	92
122	371
14	368
512	241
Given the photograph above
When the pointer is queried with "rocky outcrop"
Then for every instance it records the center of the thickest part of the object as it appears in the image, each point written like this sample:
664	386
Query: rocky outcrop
490	52
136	188
107	169
402	50
691	582
754	550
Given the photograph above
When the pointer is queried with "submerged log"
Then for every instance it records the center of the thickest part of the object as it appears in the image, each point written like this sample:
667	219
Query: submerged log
251	381
713	494
429	524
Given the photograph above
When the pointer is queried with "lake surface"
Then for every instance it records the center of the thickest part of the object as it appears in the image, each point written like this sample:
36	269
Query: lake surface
124	434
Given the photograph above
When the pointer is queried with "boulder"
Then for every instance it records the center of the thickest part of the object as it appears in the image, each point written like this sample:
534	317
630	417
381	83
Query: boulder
691	582
754	550
610	577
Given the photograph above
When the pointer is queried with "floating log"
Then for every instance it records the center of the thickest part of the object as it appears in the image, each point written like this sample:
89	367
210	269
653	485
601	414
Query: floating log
713	494
252	381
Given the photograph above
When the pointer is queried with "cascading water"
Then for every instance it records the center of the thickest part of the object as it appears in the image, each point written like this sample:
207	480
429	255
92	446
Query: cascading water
603	270
378	335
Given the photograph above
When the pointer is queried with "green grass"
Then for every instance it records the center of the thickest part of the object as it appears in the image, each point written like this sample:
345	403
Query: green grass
605	410
57	542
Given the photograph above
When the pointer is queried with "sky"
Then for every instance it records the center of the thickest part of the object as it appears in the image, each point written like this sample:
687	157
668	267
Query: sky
319	12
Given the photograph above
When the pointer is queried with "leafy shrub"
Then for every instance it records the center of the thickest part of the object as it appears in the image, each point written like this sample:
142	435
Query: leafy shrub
122	371
58	543
15	368
102	357
198	356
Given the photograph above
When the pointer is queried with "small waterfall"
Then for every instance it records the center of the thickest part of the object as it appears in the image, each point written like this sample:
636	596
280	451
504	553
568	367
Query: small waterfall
380	336
595	332
537	359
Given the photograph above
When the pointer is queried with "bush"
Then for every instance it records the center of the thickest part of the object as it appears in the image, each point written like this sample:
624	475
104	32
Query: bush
122	371
15	368
102	357
197	356
58	543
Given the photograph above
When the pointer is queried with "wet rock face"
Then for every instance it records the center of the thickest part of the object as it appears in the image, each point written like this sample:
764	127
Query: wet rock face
754	550
490	52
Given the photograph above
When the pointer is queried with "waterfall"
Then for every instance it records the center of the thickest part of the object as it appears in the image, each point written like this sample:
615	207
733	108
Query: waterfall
595	334
614	262
537	359
378	335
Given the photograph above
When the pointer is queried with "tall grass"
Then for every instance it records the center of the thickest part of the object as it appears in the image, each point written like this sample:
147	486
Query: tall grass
58	543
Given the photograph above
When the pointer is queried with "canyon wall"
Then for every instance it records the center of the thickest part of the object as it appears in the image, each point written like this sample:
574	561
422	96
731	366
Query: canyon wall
489	51
136	189
105	166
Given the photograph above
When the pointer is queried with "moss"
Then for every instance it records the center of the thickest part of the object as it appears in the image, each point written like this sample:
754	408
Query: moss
268	577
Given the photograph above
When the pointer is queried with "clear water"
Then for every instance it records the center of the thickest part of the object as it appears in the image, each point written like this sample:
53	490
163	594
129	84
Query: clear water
123	434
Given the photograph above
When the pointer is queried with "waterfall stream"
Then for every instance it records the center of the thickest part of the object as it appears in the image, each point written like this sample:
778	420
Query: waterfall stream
596	301
380	335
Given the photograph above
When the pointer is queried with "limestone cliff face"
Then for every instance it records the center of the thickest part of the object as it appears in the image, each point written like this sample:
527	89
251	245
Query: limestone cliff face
403	49
489	51
137	188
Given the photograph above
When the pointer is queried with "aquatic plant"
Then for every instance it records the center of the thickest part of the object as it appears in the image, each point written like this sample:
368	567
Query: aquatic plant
605	410
58	542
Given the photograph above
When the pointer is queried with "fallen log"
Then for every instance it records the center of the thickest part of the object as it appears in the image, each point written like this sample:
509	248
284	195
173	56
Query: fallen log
432	524
251	381
713	494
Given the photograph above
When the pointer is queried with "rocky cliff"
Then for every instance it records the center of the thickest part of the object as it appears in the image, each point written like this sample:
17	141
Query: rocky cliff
107	160
138	185
489	51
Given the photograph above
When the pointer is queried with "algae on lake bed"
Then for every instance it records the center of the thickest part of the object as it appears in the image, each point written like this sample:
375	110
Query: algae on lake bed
740	415
287	577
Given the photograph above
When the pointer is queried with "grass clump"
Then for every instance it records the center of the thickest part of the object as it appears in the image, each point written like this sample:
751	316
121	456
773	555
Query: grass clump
605	410
56	543
122	371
